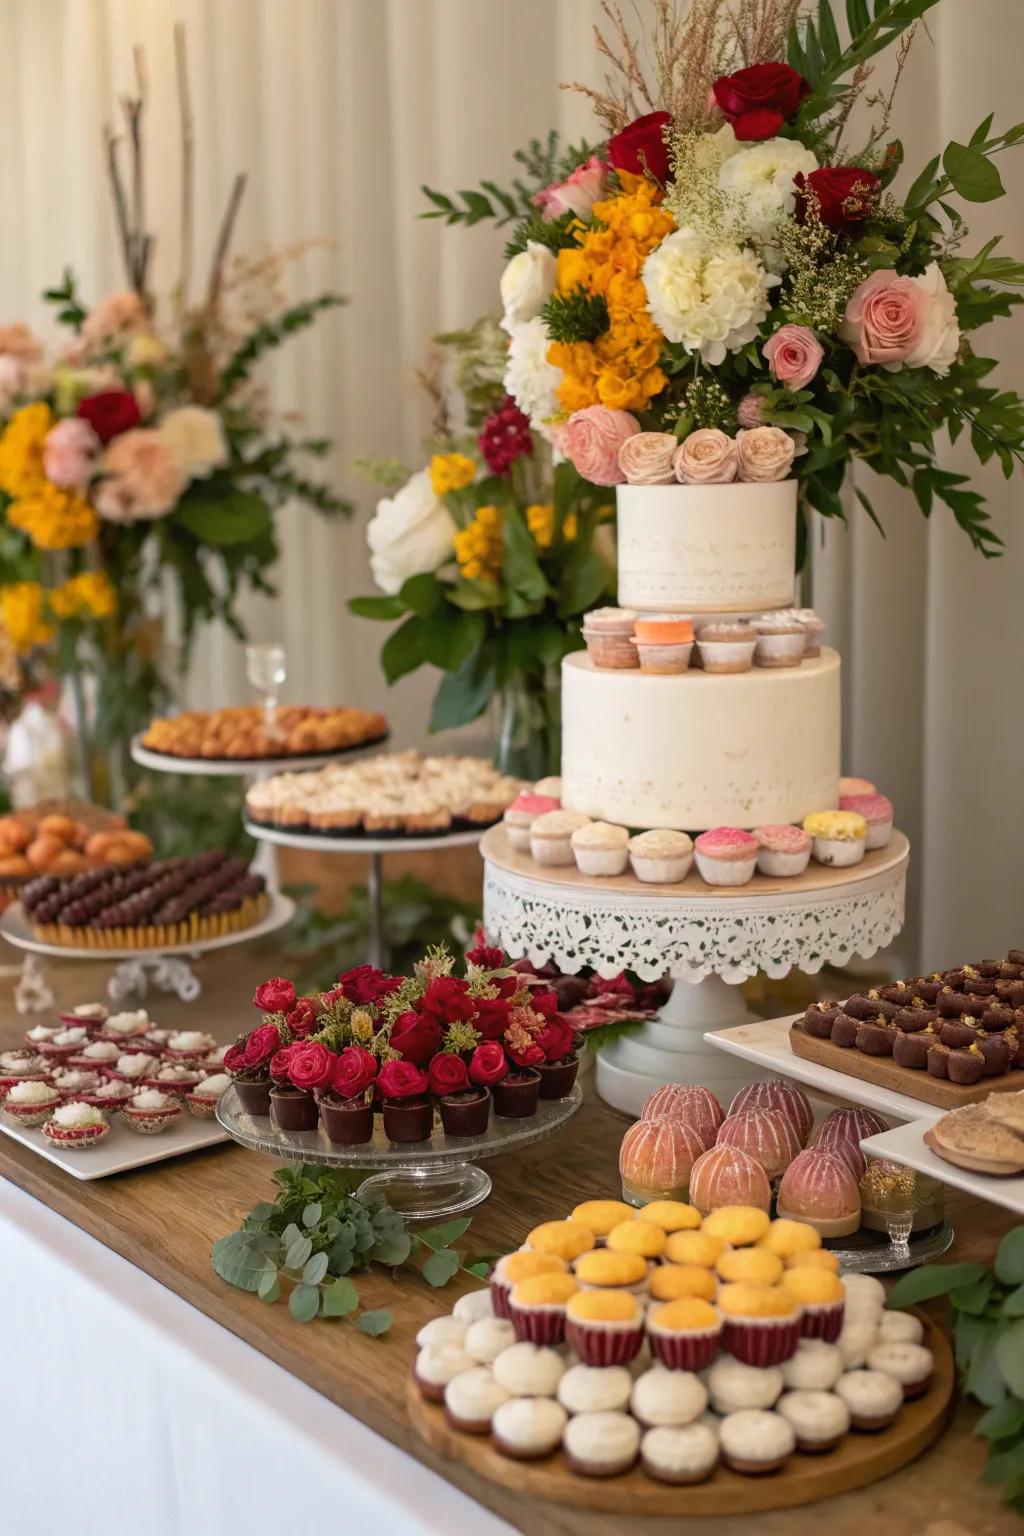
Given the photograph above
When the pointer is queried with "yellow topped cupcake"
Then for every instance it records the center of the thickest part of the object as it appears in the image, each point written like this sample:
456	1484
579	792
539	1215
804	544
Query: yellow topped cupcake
813	1287
785	1237
701	1247
684	1334
523	1264
641	1237
671	1215
603	1307
544	1290
753	1266
670	1281
757	1301
737	1224
601	1215
605	1267
686	1312
813	1258
840	826
567	1239
762	1324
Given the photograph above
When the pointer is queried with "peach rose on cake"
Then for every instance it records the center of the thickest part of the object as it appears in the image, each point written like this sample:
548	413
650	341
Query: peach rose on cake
706	457
591	440
765	454
646	458
794	355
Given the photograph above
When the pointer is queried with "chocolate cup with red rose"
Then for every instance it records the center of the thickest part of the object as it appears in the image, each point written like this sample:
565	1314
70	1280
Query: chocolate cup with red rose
408	1111
248	1064
310	1068
559	1069
294	1109
465	1106
346	1108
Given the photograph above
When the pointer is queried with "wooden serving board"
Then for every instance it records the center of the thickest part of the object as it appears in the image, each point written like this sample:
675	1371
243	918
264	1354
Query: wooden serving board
886	1073
858	1460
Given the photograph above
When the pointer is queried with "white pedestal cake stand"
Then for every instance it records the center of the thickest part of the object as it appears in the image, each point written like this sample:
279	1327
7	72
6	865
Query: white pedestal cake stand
708	938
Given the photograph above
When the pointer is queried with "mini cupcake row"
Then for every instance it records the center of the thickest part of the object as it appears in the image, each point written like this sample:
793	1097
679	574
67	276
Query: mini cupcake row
662	644
80	1123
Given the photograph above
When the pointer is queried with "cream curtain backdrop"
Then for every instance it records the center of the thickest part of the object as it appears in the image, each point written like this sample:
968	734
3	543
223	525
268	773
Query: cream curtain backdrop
338	110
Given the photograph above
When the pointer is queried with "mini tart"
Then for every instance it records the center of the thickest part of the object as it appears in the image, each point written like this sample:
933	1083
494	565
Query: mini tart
873	1398
641	1237
528	1428
565	1239
669	1282
601	1444
680	1455
821	1297
29	1109
604	1327
754	1441
819	1419
908	1363
536	1308
787	1238
150	1120
523	1265
737	1225
600	1216
701	1248
670	1215
685	1334
749	1266
761	1325
605	1268
471	1399
81	1128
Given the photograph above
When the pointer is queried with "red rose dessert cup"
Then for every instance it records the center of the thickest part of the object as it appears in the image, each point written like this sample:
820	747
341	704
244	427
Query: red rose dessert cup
685	1335
465	1113
295	1109
517	1267
75	1127
536	1308
604	1327
516	1096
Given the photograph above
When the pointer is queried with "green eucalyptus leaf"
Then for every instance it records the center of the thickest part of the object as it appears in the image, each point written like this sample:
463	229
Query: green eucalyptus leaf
269	1292
973	176
291	1234
311	1215
999	1423
932	1280
297	1253
239	1259
392	1248
261	1212
1010	1258
304	1303
448	1232
973	1298
1009	1351
440	1267
984	1376
374	1323
314	1269
340	1298
1013	1306
480	1270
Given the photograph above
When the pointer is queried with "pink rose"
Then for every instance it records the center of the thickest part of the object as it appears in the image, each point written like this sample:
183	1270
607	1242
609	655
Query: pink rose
765	454
577	194
16	340
645	458
794	355
750	411
69	453
117	312
882	318
706	457
591	439
142	478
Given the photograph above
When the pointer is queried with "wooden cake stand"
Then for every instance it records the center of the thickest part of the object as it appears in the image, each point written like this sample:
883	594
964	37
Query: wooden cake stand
858	1460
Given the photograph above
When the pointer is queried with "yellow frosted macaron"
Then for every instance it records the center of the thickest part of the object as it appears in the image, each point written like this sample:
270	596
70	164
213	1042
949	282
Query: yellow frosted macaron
813	1258
813	1287
836	826
605	1267
524	1264
544	1291
738	1225
785	1237
603	1307
641	1237
701	1248
601	1215
687	1313
751	1266
671	1215
758	1301
670	1281
567	1239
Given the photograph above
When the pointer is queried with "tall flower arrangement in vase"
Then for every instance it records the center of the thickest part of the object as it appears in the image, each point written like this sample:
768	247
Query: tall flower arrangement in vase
139	458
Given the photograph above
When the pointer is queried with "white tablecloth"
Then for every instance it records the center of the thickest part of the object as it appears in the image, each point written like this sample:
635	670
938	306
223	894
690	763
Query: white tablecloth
125	1412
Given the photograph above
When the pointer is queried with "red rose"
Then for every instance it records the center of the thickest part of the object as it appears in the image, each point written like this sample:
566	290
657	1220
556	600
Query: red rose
304	1017
491	1017
354	1071
840	195
234	1058
274	996
545	1003
526	1055
447	999
110	412
447	1073
415	1037
487	1064
279	1064
365	984
557	1039
758	100
489	956
401	1080
310	1064
261	1045
640	147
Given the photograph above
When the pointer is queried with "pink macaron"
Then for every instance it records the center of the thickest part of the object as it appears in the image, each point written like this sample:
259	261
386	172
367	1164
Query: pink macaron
726	856
782	850
877	811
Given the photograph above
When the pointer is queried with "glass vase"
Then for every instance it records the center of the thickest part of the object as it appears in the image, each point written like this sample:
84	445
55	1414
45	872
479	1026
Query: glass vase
528	726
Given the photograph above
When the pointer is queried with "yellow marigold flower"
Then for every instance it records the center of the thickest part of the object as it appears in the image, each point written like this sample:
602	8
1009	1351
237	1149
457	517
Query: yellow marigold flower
21	449
52	518
88	595
23	616
479	547
451	472
540	519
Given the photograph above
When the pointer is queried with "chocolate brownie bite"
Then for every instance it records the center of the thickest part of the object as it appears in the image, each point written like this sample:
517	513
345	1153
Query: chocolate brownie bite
818	1020
997	1052
912	1050
844	1029
899	992
958	1033
928	989
952	1003
875	1037
914	1018
938	1060
965	1067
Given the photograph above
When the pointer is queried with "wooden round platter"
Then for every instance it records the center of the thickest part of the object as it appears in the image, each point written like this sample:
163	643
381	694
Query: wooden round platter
858	1460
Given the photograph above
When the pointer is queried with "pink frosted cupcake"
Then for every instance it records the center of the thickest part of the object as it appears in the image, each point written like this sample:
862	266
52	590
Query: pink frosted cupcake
726	856
761	1323
604	1327
90	1016
515	1268
76	1127
22	1066
536	1308
782	851
150	1112
608	633
521	815
684	1334
877	811
30	1103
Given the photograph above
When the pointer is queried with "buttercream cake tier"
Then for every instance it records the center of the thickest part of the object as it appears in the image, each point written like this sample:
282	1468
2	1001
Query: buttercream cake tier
706	548
700	750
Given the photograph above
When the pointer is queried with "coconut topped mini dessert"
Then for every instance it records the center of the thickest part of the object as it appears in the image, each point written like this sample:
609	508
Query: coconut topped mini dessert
30	1103
151	1111
20	1064
76	1126
121	1026
133	1065
74	1081
65	1042
92	1015
99	1051
202	1099
189	1043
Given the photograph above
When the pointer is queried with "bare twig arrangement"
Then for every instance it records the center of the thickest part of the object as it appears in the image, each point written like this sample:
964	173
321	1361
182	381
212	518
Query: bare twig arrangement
188	167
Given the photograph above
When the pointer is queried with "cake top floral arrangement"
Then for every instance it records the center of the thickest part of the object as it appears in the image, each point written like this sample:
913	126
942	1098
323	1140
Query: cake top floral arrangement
728	287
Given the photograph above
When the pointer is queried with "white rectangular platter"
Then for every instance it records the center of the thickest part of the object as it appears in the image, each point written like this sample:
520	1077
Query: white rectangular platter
766	1042
123	1149
905	1144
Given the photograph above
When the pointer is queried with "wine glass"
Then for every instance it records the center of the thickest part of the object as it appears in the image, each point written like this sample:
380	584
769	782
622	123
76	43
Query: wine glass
267	668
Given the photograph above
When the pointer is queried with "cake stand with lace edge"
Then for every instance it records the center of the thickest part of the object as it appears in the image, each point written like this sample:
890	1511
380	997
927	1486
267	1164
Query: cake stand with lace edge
709	939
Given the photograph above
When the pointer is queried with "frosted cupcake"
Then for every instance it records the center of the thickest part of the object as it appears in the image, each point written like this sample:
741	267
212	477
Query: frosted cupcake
521	815
76	1127
470	1400
528	1428
762	1325
604	1327
877	811
684	1334
515	1267
839	837
780	641
812	625
536	1308
854	786
601	1444
726	856
661	857
664	643
604	1270
670	1282
821	1297
150	1112
608	633
680	1455
727	647
551	836
202	1100
29	1103
600	848
782	851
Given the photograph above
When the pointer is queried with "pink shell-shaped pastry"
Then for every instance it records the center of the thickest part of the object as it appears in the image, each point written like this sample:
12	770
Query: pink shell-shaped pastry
820	1186
776	1093
691	1104
766	1134
656	1155
728	1176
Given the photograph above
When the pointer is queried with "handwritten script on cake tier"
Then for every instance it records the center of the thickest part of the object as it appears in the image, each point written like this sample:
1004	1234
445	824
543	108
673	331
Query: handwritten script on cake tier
709	568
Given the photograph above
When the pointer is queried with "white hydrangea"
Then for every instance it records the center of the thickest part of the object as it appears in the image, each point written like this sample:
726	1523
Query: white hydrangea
529	378
709	298
758	185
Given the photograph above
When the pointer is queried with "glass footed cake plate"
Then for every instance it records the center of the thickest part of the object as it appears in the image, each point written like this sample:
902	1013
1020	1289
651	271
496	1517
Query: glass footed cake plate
867	1252
425	1180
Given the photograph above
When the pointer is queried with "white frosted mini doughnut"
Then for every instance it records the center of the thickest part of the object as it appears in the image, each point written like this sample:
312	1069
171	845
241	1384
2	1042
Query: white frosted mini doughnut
474	1306
680	1455
471	1398
816	1367
664	1398
900	1328
819	1419
873	1398
595	1389
526	1428
487	1338
529	1370
755	1441
601	1444
909	1364
733	1385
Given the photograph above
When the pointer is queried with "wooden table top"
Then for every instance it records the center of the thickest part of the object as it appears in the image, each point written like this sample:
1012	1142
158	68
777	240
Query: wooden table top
165	1219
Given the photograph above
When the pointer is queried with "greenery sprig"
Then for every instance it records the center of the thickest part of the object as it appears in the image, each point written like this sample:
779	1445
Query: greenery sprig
987	1309
544	163
317	1234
